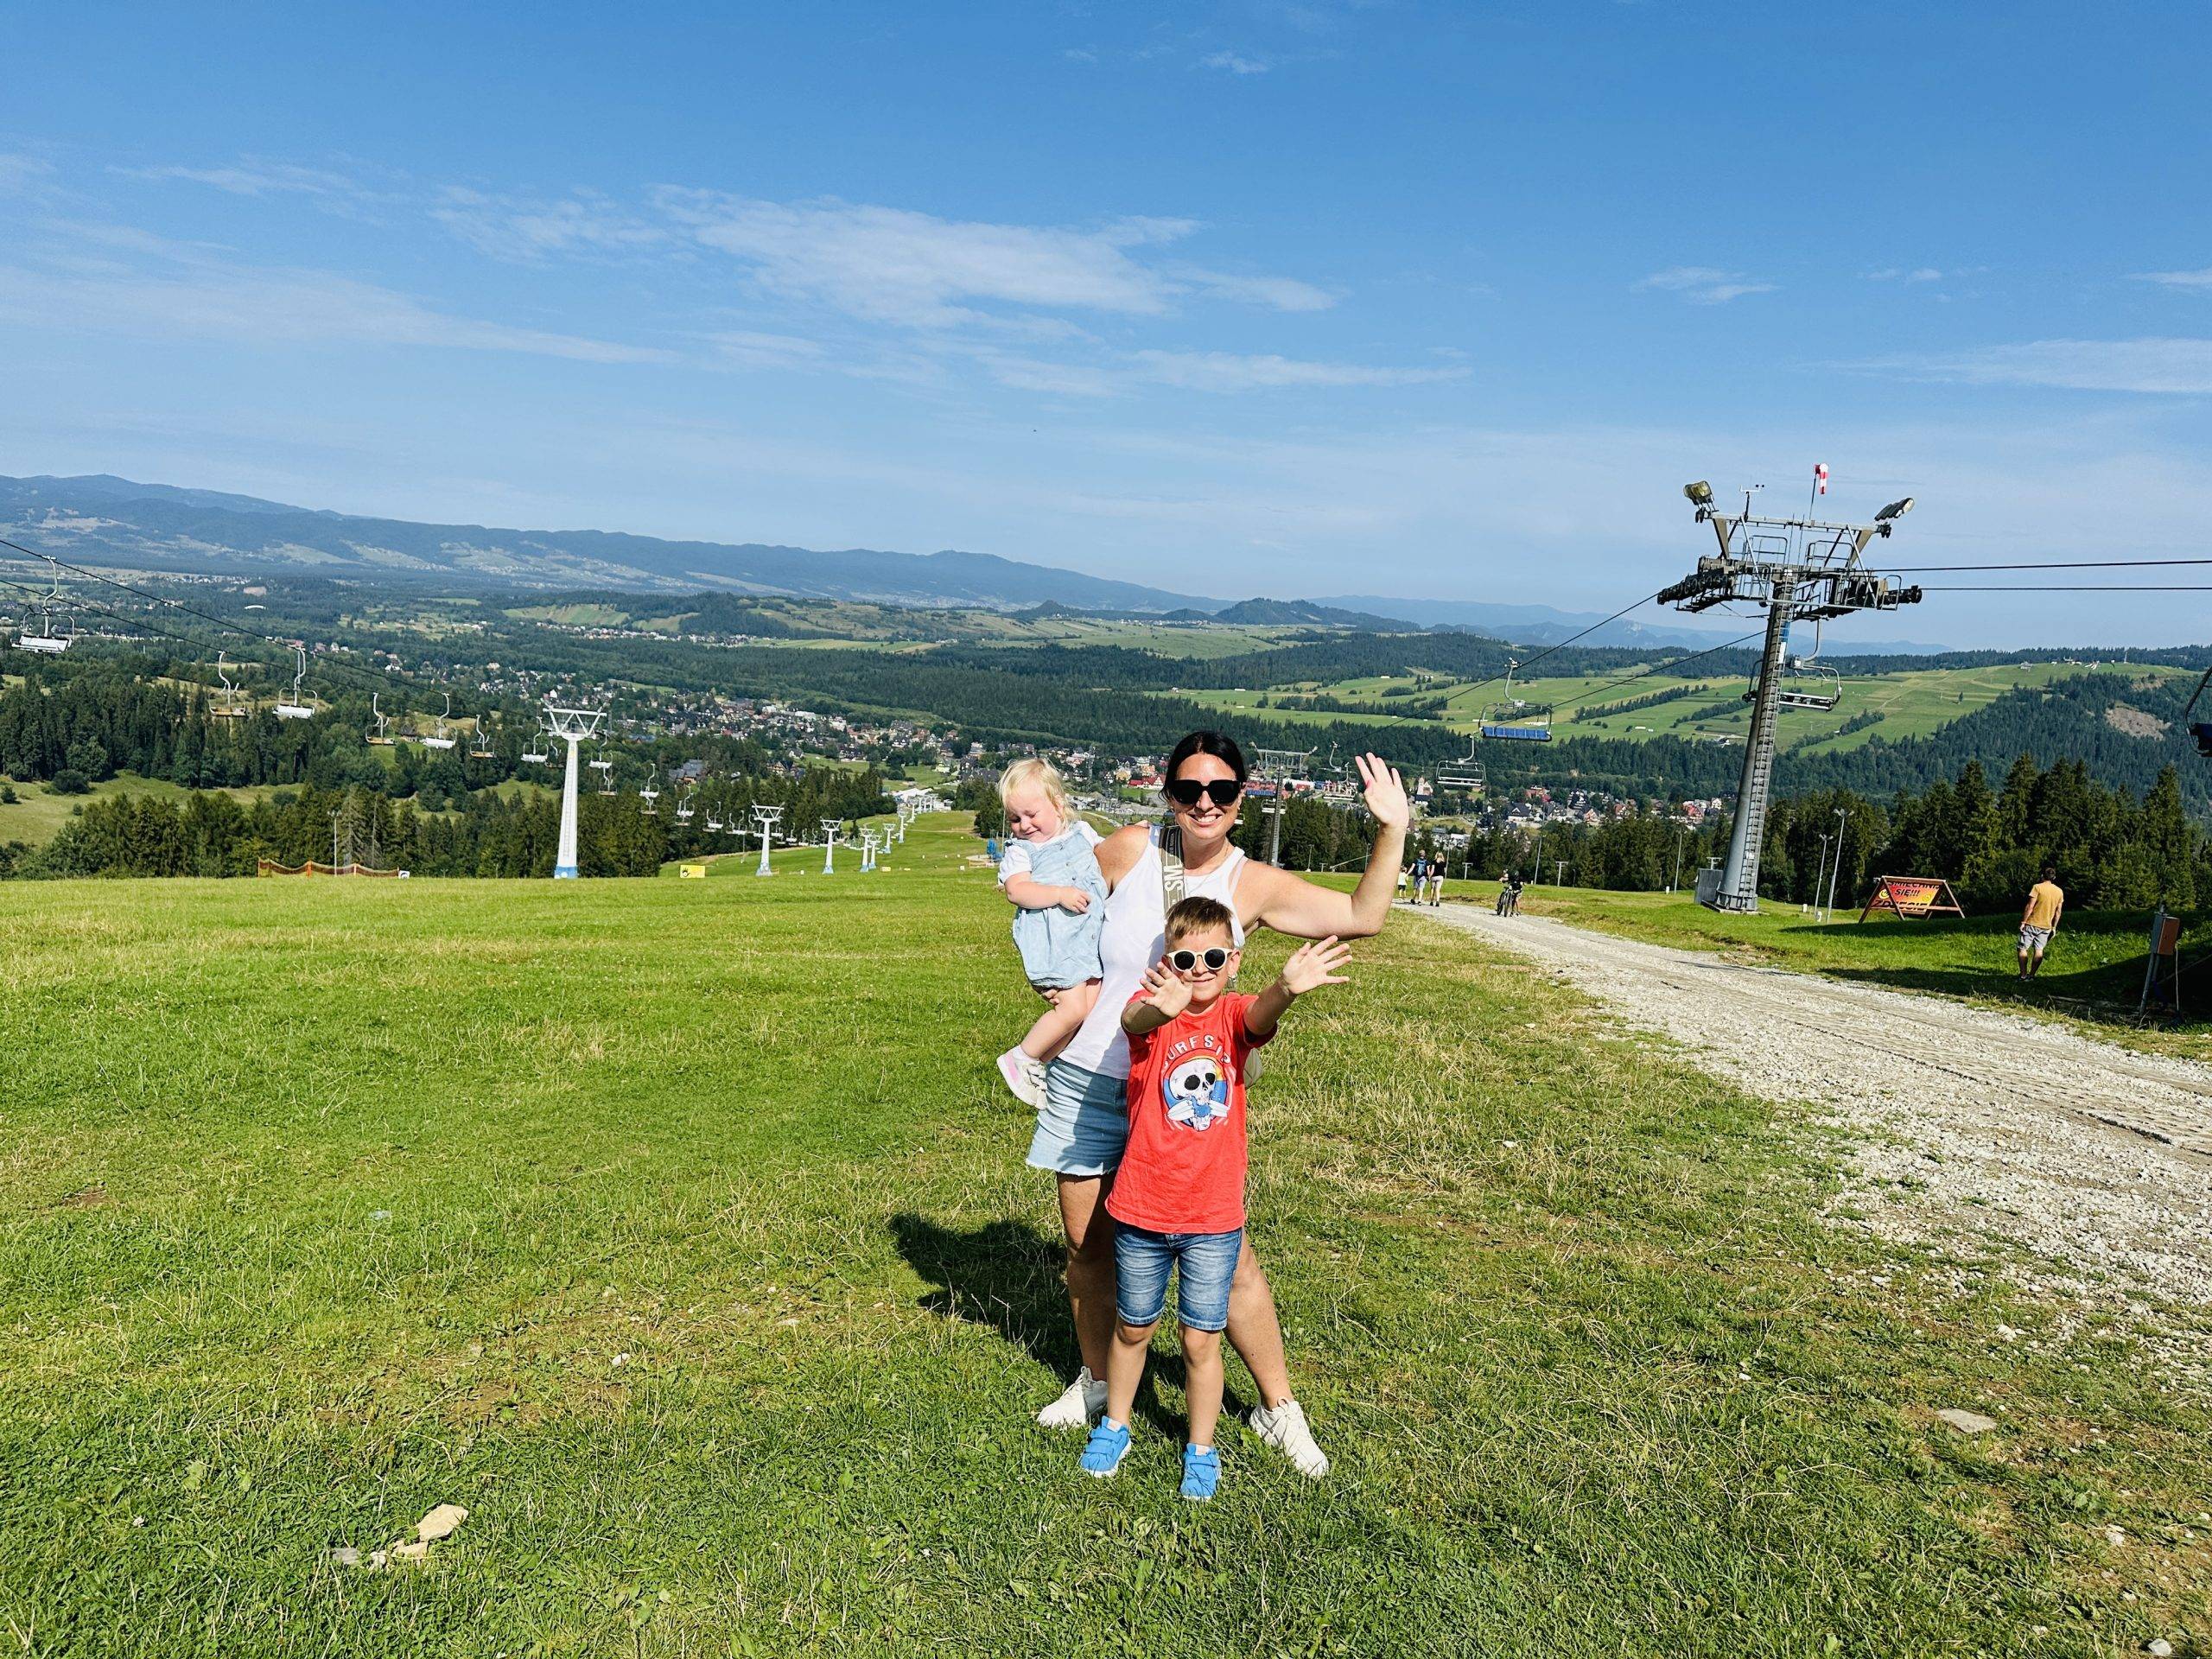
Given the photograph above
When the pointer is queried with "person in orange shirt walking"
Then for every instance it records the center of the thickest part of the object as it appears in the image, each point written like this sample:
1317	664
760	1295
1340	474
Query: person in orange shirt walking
2039	921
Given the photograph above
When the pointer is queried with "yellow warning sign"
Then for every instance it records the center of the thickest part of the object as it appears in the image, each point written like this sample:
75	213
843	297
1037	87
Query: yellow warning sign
692	869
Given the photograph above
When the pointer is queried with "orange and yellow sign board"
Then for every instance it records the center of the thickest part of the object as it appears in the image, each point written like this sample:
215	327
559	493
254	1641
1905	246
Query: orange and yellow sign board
1911	895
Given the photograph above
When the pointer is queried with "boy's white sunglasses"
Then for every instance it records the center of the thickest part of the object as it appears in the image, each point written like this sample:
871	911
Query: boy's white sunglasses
1213	955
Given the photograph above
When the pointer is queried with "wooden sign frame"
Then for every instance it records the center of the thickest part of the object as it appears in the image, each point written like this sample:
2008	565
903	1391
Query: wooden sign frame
1909	896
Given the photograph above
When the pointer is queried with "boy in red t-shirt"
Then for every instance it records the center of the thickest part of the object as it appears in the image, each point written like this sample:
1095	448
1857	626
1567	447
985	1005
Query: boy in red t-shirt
1178	1200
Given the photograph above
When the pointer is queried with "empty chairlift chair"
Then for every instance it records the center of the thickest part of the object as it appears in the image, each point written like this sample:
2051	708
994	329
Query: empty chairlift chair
1464	776
441	739
47	627
1807	683
1516	720
297	708
231	709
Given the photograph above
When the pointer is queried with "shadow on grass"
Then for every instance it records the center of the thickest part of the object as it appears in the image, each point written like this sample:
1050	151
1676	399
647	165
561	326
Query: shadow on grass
1006	1275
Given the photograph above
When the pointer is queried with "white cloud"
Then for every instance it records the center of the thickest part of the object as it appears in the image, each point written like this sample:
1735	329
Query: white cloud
173	291
1901	274
2201	279
743	349
1278	293
1231	372
1235	63
2173	367
251	178
890	264
1703	285
20	173
582	223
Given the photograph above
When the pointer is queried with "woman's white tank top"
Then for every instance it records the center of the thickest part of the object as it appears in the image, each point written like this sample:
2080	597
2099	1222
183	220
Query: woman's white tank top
1133	939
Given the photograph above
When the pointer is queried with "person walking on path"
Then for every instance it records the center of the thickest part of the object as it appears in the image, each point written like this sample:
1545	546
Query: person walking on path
2039	921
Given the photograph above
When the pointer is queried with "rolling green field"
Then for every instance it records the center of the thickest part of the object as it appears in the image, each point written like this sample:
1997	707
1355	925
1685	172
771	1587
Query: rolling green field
1912	704
38	813
848	624
679	1231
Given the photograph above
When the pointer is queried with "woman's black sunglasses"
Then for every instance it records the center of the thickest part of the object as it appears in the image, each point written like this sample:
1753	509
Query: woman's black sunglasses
1183	961
1185	791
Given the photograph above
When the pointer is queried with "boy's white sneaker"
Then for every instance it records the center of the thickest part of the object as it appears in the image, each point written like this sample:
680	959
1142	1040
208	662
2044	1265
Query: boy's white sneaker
1027	1085
1285	1429
1082	1404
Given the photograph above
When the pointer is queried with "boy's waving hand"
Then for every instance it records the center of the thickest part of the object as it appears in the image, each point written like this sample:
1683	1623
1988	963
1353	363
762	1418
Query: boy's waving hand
1310	967
1313	965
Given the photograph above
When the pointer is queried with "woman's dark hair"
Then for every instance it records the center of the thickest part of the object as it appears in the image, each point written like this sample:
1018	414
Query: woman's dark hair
1219	744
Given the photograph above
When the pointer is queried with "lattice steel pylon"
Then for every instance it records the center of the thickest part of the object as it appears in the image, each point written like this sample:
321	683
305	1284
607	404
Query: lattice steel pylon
1277	769
1795	567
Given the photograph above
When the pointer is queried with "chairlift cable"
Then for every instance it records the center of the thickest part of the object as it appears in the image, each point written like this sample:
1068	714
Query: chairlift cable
2082	587
1562	644
2056	564
1672	662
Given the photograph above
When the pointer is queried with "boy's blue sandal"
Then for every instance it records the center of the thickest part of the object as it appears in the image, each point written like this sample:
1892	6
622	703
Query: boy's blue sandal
1108	1444
1201	1472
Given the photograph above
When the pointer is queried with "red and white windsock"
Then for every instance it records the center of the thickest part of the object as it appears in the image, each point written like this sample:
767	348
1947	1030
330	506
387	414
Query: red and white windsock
1820	478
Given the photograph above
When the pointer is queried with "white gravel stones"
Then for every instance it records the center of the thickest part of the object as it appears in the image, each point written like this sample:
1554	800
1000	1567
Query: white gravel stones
1984	1125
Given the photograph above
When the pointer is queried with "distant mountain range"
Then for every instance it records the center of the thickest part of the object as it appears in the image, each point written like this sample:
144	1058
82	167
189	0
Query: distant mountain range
108	520
101	519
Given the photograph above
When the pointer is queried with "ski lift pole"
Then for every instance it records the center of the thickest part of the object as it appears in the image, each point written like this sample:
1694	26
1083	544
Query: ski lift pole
766	817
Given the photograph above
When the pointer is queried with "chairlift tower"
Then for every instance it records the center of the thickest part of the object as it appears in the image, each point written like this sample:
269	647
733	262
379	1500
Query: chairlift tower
765	818
829	846
1277	767
1795	567
572	727
869	846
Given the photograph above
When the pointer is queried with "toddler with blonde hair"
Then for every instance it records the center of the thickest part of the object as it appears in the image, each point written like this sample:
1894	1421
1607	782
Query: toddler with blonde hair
1052	876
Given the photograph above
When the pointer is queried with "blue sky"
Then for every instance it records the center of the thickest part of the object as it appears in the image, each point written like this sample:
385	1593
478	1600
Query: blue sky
1300	299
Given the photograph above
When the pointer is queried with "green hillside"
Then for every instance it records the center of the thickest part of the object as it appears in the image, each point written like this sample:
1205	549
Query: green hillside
678	1230
1910	703
38	813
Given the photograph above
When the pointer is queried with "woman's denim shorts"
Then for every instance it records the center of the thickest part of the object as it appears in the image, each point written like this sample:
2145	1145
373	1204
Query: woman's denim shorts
1204	1262
1084	1125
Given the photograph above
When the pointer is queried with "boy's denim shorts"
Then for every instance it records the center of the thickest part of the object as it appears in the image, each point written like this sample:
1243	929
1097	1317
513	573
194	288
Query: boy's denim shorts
1204	1264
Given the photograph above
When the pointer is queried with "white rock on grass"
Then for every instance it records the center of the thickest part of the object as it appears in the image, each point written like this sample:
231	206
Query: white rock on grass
440	1522
1967	1422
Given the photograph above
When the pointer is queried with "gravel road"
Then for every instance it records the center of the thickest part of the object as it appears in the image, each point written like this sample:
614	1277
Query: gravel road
1970	1124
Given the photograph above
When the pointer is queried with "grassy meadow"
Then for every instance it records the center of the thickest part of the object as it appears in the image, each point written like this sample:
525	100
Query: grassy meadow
1914	703
37	813
679	1231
